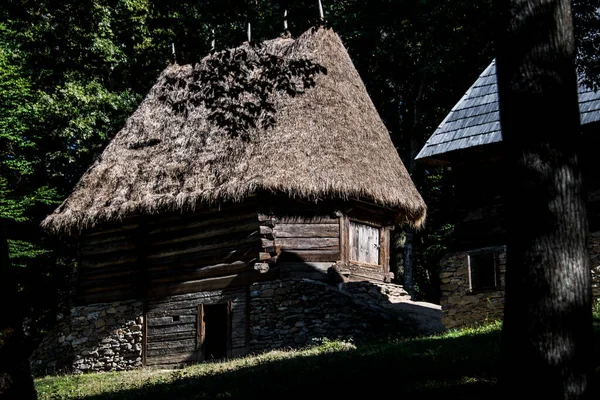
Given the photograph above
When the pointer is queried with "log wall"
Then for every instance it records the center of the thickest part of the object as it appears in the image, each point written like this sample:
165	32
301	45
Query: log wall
173	334
300	247
170	255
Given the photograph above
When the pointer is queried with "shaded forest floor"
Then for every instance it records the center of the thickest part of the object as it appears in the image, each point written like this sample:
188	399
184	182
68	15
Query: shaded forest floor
460	364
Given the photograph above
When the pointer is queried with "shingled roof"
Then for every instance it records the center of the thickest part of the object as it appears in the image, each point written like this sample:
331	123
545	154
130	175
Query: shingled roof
475	119
325	141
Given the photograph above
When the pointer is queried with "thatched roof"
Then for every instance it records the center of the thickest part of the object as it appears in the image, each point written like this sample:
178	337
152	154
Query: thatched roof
172	154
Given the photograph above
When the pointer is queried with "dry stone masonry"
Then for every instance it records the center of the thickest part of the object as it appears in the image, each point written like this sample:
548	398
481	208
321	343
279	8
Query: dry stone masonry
460	305
98	337
264	316
298	312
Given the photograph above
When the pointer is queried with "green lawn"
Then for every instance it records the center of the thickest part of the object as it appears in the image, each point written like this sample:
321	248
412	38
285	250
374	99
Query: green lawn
461	364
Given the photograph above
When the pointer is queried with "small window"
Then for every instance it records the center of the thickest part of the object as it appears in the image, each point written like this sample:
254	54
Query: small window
364	243
483	271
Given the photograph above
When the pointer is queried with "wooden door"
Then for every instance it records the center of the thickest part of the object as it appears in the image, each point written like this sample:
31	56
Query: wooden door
364	243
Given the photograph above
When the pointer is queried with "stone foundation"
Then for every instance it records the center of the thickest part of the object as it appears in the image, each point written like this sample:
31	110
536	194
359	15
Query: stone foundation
99	337
264	316
461	307
293	313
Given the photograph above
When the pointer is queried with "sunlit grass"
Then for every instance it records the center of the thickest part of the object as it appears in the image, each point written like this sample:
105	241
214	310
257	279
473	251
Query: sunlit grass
461	359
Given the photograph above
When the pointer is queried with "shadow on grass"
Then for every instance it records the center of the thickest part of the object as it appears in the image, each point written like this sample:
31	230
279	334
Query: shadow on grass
462	368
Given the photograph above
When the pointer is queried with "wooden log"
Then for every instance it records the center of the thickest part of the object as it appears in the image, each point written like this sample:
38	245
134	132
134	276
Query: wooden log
216	243
108	248
272	249
308	243
306	231
365	271
175	359
102	239
198	222
178	328
217	259
172	320
263	268
86	274
165	338
265	230
266	218
384	253
211	271
243	252
219	283
113	285
113	230
106	297
295	219
192	299
108	261
267	243
215	230
344	224
173	344
175	351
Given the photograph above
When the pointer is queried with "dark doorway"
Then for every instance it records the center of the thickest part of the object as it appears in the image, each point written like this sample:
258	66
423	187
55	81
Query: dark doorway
215	331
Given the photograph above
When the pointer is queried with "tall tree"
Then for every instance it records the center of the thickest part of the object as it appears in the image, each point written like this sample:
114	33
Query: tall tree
547	334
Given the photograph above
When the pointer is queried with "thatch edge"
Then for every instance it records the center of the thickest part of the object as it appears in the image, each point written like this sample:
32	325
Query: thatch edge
65	220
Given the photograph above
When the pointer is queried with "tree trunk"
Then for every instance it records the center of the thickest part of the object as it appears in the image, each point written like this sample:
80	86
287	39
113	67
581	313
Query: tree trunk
15	377
547	331
415	145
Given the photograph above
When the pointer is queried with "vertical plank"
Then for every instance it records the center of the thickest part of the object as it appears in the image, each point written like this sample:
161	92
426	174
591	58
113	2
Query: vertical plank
354	239
229	328
371	235
384	252
365	243
200	332
344	238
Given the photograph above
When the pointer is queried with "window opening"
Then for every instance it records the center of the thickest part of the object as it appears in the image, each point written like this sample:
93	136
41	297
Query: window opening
483	271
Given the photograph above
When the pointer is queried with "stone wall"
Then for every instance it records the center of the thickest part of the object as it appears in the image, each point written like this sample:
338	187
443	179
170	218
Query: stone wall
461	306
98	337
265	316
294	313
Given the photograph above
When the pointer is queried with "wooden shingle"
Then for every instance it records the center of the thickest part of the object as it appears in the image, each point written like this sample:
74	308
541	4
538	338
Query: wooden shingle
475	119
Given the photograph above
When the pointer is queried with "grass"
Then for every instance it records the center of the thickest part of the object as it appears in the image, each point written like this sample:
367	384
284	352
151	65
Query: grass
460	364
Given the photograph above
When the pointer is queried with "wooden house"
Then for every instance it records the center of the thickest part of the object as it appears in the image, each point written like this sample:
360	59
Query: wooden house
469	141
214	221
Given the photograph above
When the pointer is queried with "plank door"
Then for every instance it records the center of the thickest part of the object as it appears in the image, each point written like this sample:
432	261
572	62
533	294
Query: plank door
364	243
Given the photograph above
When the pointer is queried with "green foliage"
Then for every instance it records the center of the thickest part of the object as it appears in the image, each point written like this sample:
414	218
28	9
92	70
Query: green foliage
596	309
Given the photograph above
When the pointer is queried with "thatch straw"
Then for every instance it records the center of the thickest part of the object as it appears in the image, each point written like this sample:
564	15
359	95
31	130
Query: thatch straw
328	142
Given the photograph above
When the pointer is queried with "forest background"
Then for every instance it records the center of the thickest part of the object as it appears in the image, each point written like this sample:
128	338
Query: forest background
71	72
